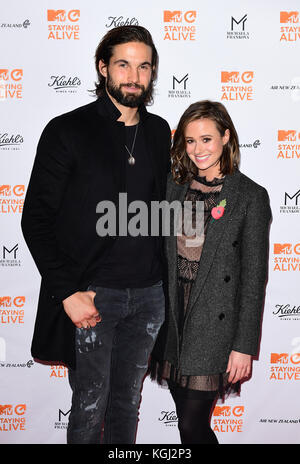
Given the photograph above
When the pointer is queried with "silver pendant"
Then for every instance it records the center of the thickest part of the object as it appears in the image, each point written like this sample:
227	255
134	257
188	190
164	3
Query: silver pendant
131	160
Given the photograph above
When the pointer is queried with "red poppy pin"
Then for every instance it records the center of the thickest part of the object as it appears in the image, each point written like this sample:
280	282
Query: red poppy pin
218	211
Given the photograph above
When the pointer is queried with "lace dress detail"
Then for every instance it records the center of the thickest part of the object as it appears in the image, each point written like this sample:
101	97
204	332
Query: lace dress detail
187	267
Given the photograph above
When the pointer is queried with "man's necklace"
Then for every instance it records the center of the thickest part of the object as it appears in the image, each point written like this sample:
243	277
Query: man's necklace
131	159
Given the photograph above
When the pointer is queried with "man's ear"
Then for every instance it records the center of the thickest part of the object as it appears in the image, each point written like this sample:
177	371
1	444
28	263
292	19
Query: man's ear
153	73
102	68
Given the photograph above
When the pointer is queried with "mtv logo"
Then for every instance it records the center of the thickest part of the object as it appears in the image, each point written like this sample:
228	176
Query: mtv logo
5	190
6	409
74	15
295	358
56	15
247	77
4	74
20	409
289	16
238	411
172	16
19	301
190	16
282	248
289	135
19	190
281	358
5	301
222	411
230	76
17	74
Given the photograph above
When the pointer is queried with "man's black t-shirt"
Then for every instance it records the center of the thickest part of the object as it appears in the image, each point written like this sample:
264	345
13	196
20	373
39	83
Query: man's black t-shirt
133	261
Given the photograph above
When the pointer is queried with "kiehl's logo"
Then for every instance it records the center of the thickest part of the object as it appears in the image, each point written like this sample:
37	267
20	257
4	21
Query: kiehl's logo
63	25
64	84
8	141
116	21
287	312
168	418
237	88
291	31
179	25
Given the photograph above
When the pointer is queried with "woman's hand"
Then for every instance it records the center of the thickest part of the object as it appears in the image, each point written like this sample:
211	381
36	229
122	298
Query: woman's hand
239	366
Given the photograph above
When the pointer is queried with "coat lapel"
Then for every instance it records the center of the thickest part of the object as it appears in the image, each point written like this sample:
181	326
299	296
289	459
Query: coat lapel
114	142
116	137
214	234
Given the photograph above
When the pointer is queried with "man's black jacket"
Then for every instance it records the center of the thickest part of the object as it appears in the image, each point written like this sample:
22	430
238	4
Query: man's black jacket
79	162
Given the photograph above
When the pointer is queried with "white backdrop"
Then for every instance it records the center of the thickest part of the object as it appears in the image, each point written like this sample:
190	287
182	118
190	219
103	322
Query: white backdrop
244	54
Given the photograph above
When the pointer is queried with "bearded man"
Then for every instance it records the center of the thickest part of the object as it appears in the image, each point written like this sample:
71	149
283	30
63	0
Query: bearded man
101	300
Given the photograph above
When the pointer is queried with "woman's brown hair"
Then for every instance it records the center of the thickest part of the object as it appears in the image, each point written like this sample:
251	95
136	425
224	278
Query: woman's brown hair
183	169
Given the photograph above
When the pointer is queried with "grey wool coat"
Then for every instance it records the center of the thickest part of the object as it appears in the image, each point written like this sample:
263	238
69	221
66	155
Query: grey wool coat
226	301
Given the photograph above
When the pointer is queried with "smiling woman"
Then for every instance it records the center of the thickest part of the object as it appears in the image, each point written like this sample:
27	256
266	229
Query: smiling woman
216	285
206	134
204	146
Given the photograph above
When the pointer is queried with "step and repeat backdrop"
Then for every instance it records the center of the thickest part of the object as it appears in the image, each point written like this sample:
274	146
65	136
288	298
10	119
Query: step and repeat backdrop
243	54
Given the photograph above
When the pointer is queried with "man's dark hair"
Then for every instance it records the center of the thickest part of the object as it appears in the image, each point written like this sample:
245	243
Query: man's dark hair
121	35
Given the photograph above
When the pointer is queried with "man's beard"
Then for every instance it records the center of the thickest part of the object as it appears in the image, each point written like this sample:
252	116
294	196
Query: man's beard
130	100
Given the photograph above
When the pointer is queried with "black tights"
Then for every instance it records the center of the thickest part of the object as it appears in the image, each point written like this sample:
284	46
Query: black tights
194	418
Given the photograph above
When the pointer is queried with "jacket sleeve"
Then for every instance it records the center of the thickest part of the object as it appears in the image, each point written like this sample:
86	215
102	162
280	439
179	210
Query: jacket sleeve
254	267
51	172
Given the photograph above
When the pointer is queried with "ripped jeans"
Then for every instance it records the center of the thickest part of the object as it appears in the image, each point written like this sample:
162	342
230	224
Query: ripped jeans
111	362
